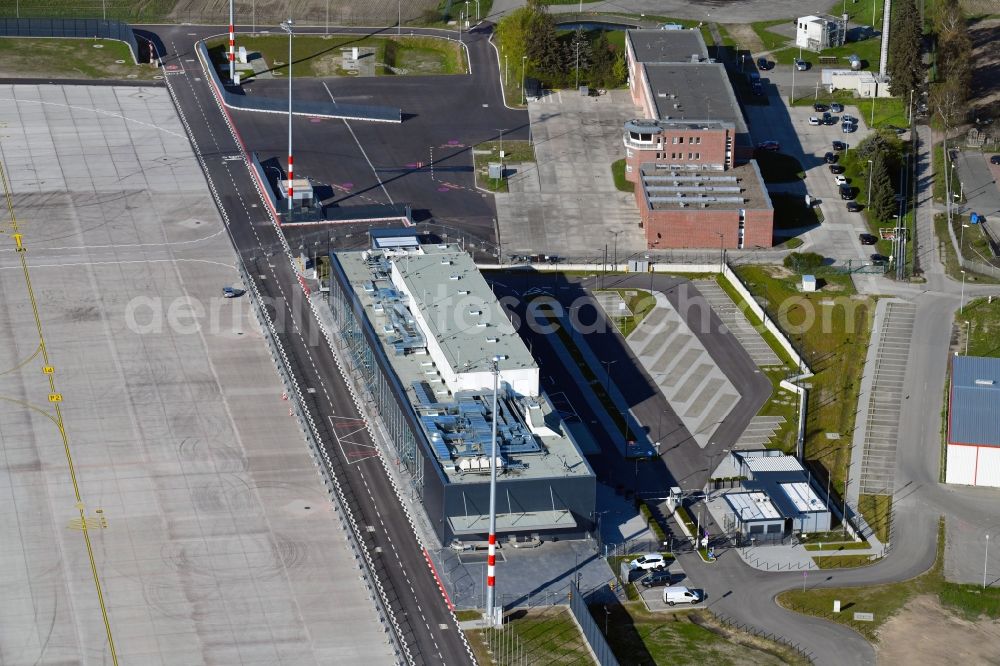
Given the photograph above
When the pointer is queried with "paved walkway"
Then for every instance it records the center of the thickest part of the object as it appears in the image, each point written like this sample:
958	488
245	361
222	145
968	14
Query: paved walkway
694	385
737	323
873	455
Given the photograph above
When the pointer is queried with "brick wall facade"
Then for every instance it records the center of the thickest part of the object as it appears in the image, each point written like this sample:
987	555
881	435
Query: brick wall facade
700	227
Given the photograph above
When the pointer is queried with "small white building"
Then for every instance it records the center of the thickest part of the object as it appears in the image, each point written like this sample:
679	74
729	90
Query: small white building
974	422
816	33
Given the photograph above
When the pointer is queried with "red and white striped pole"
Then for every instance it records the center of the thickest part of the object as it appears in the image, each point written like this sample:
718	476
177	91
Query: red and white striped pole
232	45
287	27
491	559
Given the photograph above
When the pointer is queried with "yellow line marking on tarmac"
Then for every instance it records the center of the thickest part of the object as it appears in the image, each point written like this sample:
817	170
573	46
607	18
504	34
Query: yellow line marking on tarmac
25	362
55	399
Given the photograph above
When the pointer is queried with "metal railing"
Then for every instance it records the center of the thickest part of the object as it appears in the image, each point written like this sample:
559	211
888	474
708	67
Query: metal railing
591	632
748	628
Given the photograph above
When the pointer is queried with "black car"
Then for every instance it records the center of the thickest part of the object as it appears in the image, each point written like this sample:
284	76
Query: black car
837	107
836	169
839	146
830	158
849	119
880	259
817	107
846	192
656	578
763	64
855	207
828	119
867	239
995	159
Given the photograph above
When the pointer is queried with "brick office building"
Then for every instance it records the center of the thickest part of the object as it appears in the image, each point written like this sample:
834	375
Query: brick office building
690	157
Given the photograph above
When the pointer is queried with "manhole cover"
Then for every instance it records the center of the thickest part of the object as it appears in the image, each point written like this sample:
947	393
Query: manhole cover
157	77
98	46
131	76
120	62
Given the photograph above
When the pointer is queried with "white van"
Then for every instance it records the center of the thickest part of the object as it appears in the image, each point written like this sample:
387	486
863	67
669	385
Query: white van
680	595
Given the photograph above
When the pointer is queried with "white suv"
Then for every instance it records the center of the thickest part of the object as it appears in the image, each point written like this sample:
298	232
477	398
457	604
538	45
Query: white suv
649	562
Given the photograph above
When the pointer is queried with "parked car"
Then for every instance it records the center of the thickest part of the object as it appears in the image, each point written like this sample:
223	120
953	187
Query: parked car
846	192
830	158
769	145
995	159
849	128
801	65
837	107
819	107
836	168
828	119
839	146
840	180
657	578
649	562
763	64
867	239
232	292
681	595
849	119
813	120
880	259
853	207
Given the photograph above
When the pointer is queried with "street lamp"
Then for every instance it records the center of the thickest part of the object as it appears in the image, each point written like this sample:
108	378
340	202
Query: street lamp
287	27
524	61
615	234
986	559
871	167
961	309
961	242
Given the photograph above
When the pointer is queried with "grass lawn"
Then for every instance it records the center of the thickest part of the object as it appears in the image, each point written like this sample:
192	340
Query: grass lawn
772	41
618	173
639	302
888	110
515	152
983	327
546	635
148	11
835	548
877	510
831	328
70	59
856	172
321	56
937	155
843	561
778	167
640	638
951	267
467	615
885	600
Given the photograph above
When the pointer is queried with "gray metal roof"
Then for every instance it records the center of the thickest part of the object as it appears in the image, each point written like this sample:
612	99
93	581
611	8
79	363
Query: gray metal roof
667	45
693	92
974	412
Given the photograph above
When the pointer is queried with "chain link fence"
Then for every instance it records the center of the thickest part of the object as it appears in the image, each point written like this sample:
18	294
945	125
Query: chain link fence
77	28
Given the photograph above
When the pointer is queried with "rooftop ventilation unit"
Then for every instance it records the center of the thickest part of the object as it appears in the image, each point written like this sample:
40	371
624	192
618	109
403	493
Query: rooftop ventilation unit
454	276
985	382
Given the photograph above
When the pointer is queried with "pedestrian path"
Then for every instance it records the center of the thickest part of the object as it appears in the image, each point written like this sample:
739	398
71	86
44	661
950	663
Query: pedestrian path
760	352
694	385
873	455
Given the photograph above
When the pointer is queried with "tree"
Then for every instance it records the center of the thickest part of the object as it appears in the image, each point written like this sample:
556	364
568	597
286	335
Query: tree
580	53
883	196
803	261
948	101
905	68
543	48
619	71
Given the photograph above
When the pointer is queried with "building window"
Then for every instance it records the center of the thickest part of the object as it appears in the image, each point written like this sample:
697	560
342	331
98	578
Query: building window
628	169
690	155
697	156
628	152
697	139
675	139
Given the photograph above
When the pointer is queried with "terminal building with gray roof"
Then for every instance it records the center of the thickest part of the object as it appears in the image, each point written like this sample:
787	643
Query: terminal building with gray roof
423	327
973	456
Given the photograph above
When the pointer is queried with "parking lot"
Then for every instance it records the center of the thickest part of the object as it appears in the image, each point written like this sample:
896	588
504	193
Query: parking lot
837	236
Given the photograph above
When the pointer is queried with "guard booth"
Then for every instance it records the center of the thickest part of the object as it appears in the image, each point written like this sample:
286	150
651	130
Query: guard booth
302	192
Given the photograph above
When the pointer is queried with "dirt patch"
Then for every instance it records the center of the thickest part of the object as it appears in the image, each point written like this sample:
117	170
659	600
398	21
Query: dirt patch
744	35
924	632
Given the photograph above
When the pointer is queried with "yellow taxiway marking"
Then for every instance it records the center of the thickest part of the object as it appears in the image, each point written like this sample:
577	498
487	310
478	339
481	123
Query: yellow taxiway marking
55	399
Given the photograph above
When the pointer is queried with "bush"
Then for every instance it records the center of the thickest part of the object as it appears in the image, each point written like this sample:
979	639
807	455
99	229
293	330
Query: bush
803	261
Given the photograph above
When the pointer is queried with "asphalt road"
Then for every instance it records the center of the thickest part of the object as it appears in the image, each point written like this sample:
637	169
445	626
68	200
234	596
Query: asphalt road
355	162
425	625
